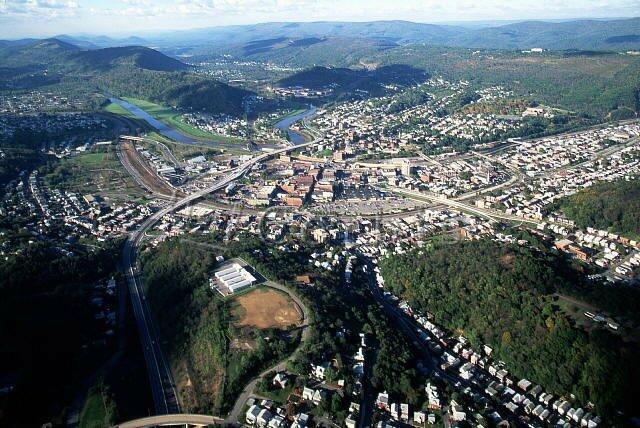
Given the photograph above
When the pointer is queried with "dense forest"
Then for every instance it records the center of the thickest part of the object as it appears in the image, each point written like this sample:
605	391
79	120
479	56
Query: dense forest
47	326
502	296
178	89
613	206
20	152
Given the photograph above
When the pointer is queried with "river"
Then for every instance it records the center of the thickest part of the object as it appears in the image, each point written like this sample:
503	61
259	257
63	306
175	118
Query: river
285	124
162	128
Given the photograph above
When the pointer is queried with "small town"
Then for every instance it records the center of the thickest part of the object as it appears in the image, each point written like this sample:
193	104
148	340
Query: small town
318	215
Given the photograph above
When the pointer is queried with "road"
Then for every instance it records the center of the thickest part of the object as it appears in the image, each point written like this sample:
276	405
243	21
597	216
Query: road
452	203
161	380
170	420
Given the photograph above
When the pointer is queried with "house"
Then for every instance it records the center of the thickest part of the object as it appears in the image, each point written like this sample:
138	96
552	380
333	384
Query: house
524	384
263	418
318	396
307	394
350	421
280	380
277	422
433	397
304	279
300	421
382	402
395	411
320	235
252	414
457	412
404	412
318	371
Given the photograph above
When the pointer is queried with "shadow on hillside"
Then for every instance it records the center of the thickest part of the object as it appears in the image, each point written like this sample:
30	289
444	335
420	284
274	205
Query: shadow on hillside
356	79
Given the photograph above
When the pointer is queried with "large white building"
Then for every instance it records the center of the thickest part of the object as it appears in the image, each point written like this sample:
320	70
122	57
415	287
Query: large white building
235	277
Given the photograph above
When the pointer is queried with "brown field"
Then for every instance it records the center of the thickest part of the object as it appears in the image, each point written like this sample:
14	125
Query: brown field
266	308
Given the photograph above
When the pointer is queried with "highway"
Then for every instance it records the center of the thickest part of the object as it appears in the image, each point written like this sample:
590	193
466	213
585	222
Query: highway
160	378
452	203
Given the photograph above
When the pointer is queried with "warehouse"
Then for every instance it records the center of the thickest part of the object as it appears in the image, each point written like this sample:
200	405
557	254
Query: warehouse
232	279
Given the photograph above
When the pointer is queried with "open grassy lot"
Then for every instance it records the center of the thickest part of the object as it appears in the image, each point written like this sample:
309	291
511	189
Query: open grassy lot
173	118
98	171
116	109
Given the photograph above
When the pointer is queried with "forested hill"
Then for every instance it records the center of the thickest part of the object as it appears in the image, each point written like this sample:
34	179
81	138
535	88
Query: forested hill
502	296
141	57
611	206
60	55
134	71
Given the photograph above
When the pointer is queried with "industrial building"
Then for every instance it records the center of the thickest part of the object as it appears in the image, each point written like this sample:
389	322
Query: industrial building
234	278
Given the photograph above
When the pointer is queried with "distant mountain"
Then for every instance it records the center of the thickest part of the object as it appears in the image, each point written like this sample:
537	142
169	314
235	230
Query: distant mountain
97	42
57	54
582	34
401	32
4	43
327	51
40	52
104	59
577	34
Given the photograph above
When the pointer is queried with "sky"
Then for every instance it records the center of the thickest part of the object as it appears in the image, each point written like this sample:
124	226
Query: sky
44	18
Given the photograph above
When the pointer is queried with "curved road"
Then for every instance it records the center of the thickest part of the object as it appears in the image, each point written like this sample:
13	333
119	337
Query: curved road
170	420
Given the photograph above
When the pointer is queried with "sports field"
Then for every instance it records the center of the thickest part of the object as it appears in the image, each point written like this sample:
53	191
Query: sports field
266	308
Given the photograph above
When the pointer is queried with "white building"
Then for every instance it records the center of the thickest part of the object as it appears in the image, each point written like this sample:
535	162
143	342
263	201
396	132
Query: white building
235	277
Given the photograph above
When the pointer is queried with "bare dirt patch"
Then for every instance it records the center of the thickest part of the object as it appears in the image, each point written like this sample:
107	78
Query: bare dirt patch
266	308
507	260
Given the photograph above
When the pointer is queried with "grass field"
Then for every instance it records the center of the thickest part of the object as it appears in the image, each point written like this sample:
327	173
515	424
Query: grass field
266	308
116	109
97	411
173	118
94	172
182	151
286	115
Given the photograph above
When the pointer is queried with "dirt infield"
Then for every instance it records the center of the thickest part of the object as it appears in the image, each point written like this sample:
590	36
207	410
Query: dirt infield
266	308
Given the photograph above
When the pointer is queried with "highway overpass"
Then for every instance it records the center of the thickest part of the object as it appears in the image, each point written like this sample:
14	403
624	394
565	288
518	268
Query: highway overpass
171	420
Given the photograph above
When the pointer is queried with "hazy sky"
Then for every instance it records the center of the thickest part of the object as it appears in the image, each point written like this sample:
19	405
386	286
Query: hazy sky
37	18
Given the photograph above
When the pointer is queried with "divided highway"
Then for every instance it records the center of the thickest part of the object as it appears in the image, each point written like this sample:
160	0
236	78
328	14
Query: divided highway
160	378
